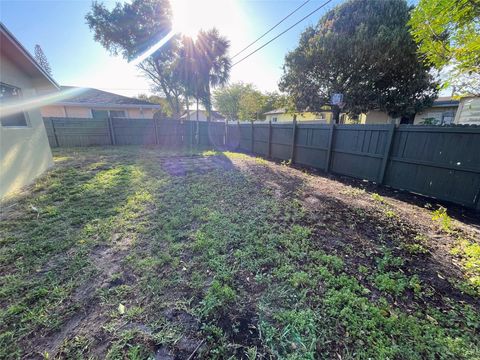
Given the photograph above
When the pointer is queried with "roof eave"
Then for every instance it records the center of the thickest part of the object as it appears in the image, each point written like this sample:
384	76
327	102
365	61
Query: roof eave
24	51
95	105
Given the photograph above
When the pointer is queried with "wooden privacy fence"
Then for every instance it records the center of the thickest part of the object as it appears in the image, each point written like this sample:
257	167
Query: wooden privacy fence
440	162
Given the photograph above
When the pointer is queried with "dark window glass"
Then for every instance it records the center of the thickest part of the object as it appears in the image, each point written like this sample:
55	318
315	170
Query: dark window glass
100	114
117	113
10	94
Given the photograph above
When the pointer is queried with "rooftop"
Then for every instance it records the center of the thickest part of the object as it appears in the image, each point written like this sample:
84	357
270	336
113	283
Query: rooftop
91	96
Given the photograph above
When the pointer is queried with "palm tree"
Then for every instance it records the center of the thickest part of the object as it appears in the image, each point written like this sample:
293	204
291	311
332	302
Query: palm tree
212	64
187	68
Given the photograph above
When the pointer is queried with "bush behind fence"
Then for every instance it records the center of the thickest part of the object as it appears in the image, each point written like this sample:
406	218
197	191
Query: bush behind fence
440	162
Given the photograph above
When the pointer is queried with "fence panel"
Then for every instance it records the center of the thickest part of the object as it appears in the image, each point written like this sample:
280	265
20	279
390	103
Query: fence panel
216	134
260	139
282	141
245	137
80	132
232	138
50	132
170	133
133	131
358	150
311	145
441	162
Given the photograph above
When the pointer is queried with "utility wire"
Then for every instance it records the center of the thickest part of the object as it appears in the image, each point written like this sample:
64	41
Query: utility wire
283	32
269	30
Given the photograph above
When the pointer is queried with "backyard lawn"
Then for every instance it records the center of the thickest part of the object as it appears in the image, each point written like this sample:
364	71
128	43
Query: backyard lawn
133	253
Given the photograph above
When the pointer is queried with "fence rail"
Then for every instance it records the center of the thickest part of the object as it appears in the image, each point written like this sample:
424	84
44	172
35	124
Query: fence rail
439	162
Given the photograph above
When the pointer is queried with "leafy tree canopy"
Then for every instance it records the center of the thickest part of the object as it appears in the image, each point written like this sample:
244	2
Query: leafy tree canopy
179	69
130	29
240	101
364	50
155	99
448	32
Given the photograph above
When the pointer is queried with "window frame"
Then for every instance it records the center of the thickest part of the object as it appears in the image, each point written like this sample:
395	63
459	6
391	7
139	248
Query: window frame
125	113
24	113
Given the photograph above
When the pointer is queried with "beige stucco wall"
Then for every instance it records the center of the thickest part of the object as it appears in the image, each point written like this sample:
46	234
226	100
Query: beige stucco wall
305	116
78	112
24	151
85	112
377	117
436	113
53	111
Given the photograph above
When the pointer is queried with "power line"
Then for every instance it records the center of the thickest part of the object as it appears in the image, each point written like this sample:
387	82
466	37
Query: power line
273	27
283	32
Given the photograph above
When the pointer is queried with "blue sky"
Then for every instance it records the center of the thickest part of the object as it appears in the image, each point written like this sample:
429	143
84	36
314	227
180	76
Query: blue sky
76	59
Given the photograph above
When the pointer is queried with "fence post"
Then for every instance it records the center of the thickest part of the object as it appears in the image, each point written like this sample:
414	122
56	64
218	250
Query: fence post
155	130
54	133
294	135
330	146
225	134
251	136
111	131
388	147
269	153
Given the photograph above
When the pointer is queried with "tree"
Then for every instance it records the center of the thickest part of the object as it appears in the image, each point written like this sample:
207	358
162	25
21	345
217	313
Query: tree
362	49
212	62
252	103
448	32
130	29
227	100
155	99
42	60
240	101
273	100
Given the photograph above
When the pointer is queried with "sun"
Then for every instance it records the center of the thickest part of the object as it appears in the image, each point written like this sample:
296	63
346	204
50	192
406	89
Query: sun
189	17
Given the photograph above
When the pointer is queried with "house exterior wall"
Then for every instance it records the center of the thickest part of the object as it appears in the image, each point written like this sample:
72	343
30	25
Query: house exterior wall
193	115
378	117
468	111
24	151
437	113
53	111
305	116
85	111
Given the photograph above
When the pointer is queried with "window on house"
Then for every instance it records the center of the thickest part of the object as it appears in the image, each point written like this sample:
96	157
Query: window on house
99	114
448	117
103	114
10	93
117	113
274	119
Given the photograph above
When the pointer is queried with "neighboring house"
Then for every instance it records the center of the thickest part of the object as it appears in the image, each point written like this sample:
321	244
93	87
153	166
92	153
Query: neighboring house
442	112
202	116
375	117
24	149
93	103
281	115
468	111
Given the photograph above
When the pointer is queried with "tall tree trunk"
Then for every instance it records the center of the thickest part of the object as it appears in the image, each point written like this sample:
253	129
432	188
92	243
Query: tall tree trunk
198	125
336	114
209	104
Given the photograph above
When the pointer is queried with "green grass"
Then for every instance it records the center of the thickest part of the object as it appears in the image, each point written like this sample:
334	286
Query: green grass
211	258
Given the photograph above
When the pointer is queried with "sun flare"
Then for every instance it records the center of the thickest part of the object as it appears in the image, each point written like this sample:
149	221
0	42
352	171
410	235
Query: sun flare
189	17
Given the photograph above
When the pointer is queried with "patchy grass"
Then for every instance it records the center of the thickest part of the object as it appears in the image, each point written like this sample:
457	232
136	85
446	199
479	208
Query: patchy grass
140	253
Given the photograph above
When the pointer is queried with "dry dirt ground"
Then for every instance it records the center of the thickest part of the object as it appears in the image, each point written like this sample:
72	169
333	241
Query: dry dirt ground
133	253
